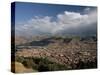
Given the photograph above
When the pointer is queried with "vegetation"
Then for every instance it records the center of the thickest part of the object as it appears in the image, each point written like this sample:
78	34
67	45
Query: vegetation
40	64
88	64
43	64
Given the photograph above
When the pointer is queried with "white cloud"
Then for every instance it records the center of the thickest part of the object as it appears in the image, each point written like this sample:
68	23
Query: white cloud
66	22
86	10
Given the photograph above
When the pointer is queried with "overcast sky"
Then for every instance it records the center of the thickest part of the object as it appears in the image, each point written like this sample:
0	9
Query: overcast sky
35	19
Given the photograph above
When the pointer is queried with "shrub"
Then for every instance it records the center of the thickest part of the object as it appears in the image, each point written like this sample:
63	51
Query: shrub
85	64
19	59
40	64
44	64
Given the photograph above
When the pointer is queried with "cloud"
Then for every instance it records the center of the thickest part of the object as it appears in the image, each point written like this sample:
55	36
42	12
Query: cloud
65	23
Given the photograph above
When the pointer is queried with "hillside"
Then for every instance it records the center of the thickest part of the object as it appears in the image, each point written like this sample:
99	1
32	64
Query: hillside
73	53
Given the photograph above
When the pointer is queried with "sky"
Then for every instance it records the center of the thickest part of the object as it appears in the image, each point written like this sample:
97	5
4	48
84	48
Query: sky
36	19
